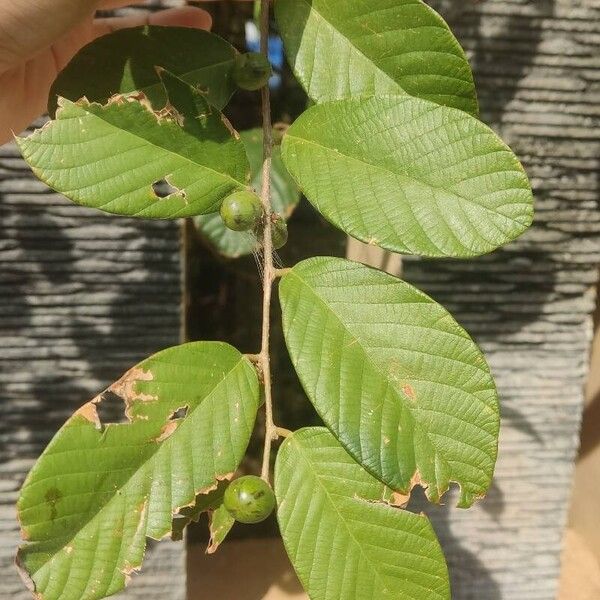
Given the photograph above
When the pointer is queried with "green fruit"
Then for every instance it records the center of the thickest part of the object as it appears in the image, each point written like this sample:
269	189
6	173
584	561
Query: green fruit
252	71
279	231
249	499
241	211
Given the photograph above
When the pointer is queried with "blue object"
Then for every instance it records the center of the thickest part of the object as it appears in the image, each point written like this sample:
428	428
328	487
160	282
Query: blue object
276	56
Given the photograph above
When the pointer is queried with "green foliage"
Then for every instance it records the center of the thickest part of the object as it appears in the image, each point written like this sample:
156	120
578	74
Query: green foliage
343	534
409	175
252	71
221	522
358	48
394	155
112	155
404	388
101	488
126	62
249	499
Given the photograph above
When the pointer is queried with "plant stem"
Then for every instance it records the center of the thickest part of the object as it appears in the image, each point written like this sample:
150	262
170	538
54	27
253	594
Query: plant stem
269	270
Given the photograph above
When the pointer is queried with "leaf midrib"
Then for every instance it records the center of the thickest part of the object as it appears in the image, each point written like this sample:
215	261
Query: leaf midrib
404	175
333	504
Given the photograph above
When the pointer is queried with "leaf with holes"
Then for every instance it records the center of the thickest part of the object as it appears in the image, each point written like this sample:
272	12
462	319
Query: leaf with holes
409	176
112	156
343	537
125	61
100	489
395	378
284	199
340	49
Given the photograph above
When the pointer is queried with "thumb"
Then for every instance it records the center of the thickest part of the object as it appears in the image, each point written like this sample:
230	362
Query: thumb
29	26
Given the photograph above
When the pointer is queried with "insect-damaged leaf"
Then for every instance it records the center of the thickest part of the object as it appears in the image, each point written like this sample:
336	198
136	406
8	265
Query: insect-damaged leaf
343	538
125	61
395	378
220	520
284	199
100	489
409	176
113	156
220	525
348	49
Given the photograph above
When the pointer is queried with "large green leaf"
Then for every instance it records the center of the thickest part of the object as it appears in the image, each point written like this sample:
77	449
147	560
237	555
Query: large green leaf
125	61
113	156
396	379
100	488
343	537
350	48
409	175
284	199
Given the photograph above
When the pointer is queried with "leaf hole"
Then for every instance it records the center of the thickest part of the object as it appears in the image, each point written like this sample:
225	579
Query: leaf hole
110	409
180	413
162	188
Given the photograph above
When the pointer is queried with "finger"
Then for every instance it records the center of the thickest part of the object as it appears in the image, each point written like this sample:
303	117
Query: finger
109	4
173	17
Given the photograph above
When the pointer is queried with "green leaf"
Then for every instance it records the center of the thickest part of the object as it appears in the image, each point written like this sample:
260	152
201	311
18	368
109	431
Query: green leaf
125	61
395	378
409	176
221	523
340	49
285	197
113	156
101	488
342	536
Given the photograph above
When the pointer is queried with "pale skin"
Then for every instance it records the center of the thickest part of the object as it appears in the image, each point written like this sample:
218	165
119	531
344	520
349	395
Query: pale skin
39	37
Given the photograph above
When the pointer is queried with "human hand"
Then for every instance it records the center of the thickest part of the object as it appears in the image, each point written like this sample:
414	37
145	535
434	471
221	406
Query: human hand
39	37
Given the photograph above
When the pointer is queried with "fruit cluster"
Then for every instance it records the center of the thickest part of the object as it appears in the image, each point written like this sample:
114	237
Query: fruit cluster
243	211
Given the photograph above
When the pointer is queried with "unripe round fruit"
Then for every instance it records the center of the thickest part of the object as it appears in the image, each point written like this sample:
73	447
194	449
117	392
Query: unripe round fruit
252	71
279	232
249	499
241	211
